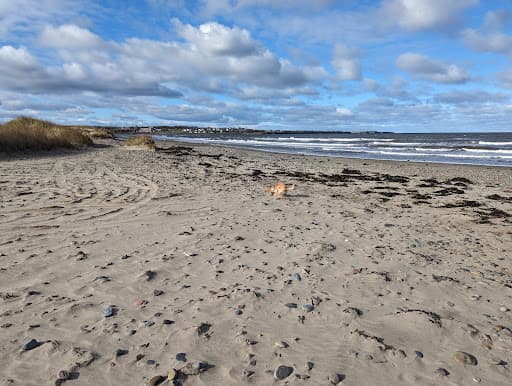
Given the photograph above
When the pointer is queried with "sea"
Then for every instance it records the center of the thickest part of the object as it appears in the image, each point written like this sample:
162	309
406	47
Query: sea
494	149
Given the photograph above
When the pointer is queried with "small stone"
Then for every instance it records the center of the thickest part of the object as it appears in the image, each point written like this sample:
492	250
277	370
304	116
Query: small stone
291	305
309	365
120	352
308	307
171	374
30	345
465	358
296	277
281	344
167	321
486	341
477	380
151	362
181	357
109	311
238	312
194	368
283	372
203	328
504	309
158	292
476	297
419	354
156	380
335	378
353	311
139	357
442	372
150	275
247	373
63	375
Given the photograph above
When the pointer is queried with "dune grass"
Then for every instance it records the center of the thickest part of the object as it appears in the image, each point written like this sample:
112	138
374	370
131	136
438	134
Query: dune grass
141	141
25	133
97	132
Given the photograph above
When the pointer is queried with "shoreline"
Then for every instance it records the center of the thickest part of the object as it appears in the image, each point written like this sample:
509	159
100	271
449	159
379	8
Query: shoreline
328	155
126	264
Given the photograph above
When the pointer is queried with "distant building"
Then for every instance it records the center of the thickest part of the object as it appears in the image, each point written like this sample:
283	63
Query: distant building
145	130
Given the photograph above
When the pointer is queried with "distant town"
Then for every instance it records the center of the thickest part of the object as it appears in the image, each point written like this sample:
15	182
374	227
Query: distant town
196	130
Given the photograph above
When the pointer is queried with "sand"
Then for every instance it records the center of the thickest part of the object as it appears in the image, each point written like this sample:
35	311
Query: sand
394	269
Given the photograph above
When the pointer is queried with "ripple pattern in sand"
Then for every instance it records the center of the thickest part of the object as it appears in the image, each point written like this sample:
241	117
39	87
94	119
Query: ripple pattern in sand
44	198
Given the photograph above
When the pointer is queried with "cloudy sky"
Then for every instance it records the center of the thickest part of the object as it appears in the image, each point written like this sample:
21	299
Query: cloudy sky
394	65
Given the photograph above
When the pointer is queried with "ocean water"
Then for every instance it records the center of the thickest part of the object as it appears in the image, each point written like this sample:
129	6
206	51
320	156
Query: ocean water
477	149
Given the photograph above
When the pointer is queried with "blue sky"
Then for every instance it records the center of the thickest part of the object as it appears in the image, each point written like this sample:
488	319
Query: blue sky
394	65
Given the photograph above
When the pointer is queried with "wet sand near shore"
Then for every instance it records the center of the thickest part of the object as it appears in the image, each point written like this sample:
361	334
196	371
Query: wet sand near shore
118	266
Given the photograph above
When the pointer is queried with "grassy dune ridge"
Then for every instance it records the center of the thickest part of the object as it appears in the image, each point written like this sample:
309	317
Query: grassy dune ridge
25	133
141	141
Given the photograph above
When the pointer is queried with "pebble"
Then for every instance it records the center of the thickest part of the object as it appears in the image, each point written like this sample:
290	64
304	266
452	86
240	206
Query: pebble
504	309
63	375
194	368
150	275
335	378
283	372
158	292
171	374
465	358
156	380
291	305
296	277
181	357
238	312
309	365
30	345
120	352
419	354
281	344
442	372
308	307
167	321
109	311
477	380
476	297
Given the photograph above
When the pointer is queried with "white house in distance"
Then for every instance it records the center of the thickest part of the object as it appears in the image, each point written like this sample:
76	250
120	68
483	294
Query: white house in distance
145	130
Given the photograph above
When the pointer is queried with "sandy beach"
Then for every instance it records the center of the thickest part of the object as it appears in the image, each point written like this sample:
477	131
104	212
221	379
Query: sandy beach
123	265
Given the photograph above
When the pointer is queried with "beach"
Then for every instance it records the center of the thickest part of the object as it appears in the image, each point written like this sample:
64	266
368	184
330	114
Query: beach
123	265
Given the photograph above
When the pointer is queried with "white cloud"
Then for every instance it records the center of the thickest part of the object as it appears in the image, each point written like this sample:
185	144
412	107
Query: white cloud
211	58
70	36
345	63
16	59
497	42
423	14
216	39
18	16
423	67
475	96
344	112
370	84
506	78
490	38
